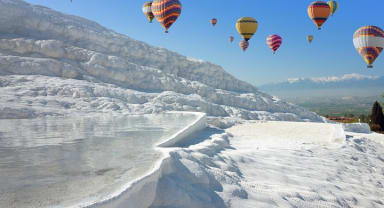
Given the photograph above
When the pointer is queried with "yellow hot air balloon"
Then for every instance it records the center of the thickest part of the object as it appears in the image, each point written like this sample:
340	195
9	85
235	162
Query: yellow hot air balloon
147	10
247	27
334	6
310	38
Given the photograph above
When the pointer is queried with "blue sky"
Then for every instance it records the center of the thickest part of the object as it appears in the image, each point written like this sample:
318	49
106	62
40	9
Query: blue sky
331	53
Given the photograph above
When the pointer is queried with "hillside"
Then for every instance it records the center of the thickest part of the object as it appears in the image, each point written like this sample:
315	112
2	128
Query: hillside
54	64
68	138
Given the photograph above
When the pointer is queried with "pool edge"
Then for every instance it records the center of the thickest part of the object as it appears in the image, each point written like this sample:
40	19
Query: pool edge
141	192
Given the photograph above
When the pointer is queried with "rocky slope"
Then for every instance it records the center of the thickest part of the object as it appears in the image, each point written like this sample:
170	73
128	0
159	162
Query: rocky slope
52	63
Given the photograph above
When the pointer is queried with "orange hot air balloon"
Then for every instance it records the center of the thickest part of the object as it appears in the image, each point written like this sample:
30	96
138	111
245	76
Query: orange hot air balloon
319	12
213	21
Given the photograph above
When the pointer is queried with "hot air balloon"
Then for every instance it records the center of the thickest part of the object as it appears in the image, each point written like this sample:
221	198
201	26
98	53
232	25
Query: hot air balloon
333	5
310	38
369	42
231	38
147	10
274	42
244	45
166	12
319	12
247	27
213	21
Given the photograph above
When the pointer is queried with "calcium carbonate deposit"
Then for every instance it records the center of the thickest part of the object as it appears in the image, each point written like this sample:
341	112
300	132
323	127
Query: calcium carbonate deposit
69	89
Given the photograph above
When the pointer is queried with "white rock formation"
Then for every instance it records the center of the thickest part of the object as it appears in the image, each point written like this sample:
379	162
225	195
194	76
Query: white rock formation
52	63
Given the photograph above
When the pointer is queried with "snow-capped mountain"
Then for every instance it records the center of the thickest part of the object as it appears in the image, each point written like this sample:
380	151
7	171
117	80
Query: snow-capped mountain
346	81
345	85
56	64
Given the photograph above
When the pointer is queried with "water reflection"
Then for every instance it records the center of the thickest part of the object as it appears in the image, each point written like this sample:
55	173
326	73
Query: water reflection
52	161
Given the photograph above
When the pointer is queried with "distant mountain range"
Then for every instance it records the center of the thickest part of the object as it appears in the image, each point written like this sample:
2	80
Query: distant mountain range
344	95
346	85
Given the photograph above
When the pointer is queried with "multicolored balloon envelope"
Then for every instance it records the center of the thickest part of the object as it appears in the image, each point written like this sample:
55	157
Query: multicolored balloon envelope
213	21
369	42
166	12
147	10
274	42
247	27
244	45
319	12
333	5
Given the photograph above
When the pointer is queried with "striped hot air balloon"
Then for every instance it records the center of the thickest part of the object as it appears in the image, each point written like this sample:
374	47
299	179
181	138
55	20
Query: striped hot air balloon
369	42
244	45
274	42
147	10
333	5
213	21
166	12
319	12
247	27
231	38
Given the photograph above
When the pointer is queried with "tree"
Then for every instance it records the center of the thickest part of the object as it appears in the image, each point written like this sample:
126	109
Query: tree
364	118
377	116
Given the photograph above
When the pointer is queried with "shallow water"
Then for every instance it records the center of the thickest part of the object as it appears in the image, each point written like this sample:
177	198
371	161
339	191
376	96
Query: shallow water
52	162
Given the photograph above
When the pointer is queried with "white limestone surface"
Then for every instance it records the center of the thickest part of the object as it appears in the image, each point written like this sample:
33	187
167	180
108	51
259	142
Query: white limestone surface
265	165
